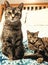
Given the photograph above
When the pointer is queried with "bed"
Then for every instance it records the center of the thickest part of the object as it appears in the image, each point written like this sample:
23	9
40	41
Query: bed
30	20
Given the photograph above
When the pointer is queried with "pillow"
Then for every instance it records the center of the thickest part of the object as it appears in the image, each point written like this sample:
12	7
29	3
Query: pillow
38	21
38	17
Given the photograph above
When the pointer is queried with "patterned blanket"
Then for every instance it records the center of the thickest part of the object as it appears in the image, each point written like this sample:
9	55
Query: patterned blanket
4	60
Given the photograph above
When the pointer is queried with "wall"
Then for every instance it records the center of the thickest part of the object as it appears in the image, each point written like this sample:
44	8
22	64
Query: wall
25	1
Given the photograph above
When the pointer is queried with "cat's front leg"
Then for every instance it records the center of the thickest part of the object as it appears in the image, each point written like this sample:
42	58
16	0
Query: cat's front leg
19	52
4	48
7	50
10	54
32	47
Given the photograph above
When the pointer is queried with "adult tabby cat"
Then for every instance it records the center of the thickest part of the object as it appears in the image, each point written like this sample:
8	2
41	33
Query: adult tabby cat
12	36
39	45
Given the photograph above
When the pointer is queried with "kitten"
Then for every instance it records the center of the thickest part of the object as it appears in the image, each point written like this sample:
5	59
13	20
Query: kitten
39	45
12	36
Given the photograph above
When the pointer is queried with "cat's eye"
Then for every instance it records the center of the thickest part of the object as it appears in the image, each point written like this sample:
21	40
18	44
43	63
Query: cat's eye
30	37
35	37
9	12
17	14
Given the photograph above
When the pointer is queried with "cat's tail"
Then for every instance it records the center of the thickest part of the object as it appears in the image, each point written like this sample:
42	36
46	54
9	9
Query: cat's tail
35	56
32	56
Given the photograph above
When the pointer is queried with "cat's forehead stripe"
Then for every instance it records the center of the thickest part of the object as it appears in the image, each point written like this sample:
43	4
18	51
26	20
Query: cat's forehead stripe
13	10
33	34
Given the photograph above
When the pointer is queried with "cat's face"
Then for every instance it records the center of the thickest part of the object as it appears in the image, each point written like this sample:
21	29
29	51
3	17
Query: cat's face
13	13
32	37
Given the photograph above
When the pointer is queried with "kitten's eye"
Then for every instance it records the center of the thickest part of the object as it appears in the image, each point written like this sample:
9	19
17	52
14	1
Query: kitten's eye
30	37
35	37
9	12
17	14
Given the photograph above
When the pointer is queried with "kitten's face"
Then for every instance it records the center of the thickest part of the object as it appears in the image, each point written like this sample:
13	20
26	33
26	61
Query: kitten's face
32	37
13	13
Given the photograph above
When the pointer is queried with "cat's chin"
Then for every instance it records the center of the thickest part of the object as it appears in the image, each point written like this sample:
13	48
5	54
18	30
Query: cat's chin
13	20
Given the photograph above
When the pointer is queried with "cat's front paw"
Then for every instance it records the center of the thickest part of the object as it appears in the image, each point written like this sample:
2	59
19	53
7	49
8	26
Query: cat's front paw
10	57
40	60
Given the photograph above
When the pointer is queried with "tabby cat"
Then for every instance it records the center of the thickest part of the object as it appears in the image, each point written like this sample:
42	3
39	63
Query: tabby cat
12	37
39	45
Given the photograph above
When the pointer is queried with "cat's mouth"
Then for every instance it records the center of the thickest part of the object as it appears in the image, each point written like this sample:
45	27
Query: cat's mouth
33	42
13	20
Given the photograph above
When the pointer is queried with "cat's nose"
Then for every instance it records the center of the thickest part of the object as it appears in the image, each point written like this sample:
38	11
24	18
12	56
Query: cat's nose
33	40
12	15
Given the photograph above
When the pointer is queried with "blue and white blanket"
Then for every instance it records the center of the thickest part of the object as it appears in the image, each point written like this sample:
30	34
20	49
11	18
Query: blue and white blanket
4	60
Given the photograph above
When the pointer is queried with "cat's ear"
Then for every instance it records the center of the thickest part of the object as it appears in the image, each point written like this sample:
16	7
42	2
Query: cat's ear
6	4
20	6
36	34
28	32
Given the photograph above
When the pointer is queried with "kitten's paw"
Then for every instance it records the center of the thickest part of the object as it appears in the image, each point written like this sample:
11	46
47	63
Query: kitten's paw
40	60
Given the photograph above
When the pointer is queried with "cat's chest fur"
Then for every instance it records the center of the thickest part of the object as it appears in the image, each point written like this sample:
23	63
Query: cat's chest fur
12	30
37	45
12	26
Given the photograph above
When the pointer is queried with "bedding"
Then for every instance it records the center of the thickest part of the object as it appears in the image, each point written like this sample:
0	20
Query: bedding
30	17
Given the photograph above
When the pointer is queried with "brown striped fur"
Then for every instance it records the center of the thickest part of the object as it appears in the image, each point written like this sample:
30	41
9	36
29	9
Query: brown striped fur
12	37
39	45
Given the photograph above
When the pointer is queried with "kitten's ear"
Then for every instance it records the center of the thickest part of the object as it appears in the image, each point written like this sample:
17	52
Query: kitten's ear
6	4
20	6
28	32
36	34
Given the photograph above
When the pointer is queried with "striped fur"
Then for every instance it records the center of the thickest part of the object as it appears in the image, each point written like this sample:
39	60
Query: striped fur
39	45
12	37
